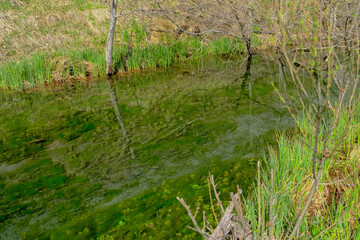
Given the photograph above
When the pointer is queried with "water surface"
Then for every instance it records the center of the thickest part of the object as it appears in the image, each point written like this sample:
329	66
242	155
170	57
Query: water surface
64	163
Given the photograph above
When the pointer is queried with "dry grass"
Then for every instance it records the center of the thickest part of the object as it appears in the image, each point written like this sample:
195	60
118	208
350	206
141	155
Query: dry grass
64	69
38	26
46	26
77	29
340	180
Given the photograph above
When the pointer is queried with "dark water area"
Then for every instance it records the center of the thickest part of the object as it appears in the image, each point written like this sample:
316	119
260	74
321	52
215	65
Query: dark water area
66	171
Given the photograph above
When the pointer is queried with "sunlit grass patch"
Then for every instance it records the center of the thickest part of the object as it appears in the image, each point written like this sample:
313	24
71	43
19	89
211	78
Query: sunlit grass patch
31	72
334	210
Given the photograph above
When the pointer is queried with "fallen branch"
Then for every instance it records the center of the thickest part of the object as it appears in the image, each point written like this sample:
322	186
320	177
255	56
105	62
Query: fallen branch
230	225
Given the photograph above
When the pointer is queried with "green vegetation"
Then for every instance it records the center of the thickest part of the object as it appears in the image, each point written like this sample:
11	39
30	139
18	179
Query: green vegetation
7	4
63	156
33	71
334	211
62	153
83	55
41	68
155	213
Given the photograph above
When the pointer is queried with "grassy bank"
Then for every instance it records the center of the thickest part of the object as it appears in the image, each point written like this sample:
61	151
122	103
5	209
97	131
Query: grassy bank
334	210
79	64
60	41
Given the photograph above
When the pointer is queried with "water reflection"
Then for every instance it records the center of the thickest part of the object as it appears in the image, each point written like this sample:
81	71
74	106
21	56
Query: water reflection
115	104
281	73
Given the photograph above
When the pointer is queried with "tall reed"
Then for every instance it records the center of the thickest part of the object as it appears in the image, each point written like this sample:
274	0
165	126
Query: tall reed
335	208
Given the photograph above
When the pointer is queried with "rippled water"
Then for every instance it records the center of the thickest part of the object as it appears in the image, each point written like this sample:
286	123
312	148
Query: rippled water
63	157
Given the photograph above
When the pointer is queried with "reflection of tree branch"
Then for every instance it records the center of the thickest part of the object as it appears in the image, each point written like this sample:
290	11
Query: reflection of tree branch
246	75
245	79
115	104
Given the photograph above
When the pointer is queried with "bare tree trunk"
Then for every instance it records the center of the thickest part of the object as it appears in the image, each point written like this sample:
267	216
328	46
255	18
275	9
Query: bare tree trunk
110	41
247	31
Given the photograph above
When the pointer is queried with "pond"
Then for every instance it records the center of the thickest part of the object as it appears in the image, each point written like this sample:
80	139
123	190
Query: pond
66	171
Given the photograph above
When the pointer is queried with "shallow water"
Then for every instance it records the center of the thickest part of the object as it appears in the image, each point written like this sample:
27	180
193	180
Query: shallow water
65	165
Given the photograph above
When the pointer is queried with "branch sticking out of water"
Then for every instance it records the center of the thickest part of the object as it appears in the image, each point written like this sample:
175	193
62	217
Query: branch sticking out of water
230	225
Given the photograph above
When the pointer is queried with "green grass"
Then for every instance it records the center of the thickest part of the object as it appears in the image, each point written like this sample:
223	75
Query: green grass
41	68
8	5
61	63
34	71
332	218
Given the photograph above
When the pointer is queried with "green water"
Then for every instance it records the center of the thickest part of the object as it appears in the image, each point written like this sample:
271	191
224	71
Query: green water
66	173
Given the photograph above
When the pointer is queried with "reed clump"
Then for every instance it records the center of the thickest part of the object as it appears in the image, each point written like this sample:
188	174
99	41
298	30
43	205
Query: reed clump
334	209
65	68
